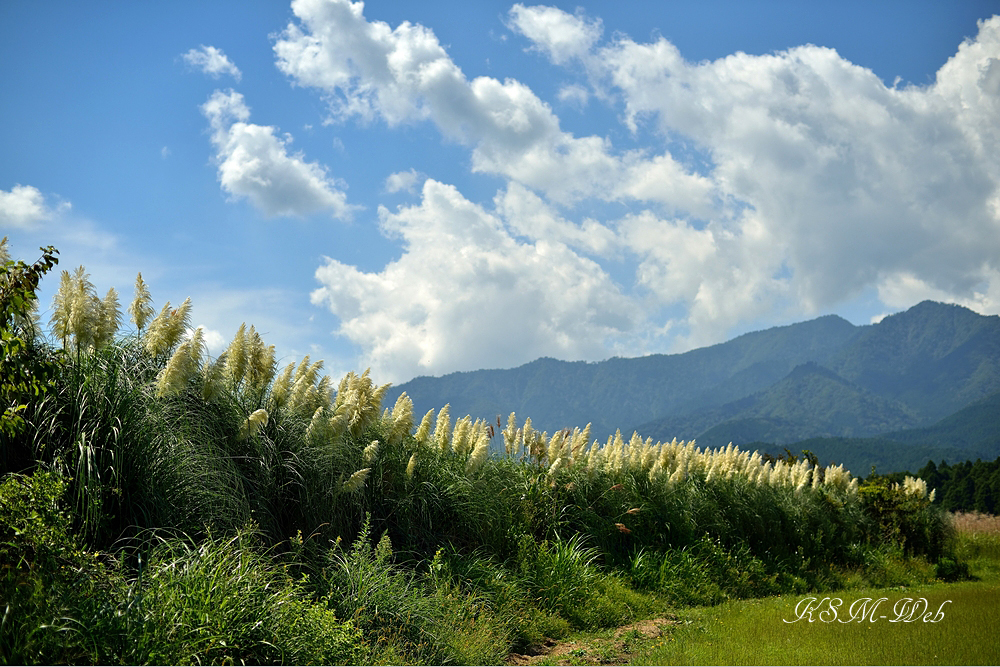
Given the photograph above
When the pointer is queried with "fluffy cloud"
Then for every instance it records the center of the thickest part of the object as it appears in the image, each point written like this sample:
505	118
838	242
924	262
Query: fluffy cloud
254	163
561	36
402	181
212	61
834	182
762	187
24	206
467	294
370	70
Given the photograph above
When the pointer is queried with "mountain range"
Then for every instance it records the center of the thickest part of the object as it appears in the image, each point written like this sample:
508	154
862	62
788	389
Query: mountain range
924	380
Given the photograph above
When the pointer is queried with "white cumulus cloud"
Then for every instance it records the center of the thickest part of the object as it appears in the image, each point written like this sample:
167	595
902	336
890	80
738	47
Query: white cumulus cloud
402	181
467	294
255	163
212	61
561	36
24	207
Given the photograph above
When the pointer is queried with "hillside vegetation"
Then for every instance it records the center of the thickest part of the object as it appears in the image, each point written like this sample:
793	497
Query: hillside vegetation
161	506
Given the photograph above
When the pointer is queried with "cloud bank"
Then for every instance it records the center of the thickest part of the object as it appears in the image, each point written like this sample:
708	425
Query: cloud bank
756	187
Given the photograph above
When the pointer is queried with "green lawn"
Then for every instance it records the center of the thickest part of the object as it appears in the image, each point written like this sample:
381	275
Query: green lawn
753	632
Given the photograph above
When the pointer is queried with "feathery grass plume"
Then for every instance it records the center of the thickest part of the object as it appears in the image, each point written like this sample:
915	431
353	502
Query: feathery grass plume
337	425
256	421
356	481
74	307
411	465
580	442
369	453
555	445
914	486
4	253
183	366
324	391
236	356
107	320
282	385
213	374
401	419
84	310
480	452
359	400
140	309
554	468
156	340
62	304
303	397
442	429
179	322
319	426
424	430
260	359
460	435
510	435
167	328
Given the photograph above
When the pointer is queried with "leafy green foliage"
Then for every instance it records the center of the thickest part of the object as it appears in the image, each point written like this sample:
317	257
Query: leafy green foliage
25	373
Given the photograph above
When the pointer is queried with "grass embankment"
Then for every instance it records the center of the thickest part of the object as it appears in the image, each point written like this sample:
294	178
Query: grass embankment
161	506
755	632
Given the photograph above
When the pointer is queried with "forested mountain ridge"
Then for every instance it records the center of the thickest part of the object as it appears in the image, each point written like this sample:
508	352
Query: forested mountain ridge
823	378
622	393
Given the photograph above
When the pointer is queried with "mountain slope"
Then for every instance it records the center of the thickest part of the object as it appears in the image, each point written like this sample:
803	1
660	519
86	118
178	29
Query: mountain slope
934	357
619	393
909	370
810	401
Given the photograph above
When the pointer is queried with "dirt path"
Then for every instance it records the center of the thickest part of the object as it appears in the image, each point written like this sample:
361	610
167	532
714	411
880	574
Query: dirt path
615	649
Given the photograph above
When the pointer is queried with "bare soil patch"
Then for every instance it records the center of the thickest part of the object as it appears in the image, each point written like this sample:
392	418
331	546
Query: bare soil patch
597	650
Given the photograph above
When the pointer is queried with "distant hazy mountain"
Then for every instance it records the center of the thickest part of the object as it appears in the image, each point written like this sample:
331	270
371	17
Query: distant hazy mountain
624	393
935	358
810	401
824	378
971	433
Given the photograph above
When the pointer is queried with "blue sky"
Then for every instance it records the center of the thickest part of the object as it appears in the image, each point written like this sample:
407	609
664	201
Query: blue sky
422	188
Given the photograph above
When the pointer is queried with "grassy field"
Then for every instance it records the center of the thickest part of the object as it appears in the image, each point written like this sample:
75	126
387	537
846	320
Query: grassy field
755	632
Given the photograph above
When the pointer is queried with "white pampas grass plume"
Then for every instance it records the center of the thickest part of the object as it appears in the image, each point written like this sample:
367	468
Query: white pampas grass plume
554	468
108	319
140	310
256	421
260	361
442	429
510	435
167	328
183	365
236	356
401	419
424	430
214	377
356	481
479	454
370	452
411	466
279	391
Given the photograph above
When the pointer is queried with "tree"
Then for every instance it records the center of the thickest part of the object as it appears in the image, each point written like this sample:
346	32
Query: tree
24	375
